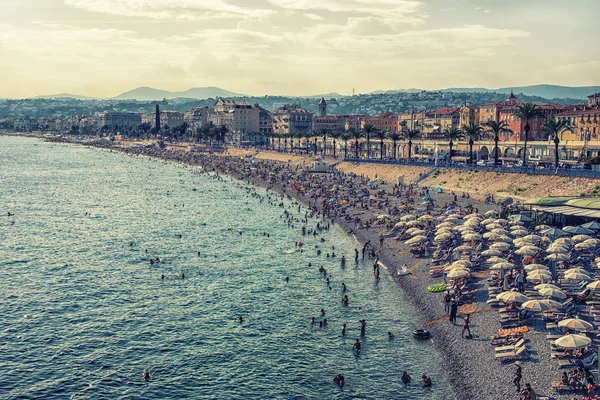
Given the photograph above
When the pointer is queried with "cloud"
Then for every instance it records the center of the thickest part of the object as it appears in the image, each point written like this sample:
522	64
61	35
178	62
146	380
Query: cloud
313	17
170	9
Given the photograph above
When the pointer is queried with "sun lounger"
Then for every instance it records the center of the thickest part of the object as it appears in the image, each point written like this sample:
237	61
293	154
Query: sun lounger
512	354
551	325
558	385
510	347
553	336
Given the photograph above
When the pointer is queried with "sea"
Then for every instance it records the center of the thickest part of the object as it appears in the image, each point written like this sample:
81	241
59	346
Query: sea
83	312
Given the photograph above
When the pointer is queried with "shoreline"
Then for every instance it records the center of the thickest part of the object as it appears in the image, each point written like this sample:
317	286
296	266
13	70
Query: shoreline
469	365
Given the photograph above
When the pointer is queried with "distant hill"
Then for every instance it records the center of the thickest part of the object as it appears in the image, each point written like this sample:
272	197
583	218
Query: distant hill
64	96
148	93
318	96
413	90
546	91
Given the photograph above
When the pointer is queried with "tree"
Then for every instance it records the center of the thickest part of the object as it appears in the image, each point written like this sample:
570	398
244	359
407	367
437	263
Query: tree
345	137
334	136
356	135
369	130
471	132
528	112
452	134
554	128
394	137
497	128
325	133
381	135
410	134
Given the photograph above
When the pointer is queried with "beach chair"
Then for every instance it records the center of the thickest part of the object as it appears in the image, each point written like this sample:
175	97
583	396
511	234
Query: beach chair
503	349
558	385
512	354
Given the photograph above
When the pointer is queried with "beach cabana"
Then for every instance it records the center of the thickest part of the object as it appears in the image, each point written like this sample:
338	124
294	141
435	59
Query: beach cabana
573	341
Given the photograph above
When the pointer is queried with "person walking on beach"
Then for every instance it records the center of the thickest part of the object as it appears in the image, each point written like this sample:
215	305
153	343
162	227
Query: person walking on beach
518	376
447	299
466	327
453	310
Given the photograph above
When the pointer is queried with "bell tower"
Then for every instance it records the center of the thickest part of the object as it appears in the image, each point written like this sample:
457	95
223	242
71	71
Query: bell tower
322	107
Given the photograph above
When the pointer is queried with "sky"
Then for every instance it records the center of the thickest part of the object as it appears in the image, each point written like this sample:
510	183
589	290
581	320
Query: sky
102	48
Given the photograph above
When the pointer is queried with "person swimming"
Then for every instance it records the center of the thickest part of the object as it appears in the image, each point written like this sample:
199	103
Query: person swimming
343	261
312	320
343	287
356	345
345	300
339	380
146	375
390	336
344	330
425	381
240	319
405	378
322	312
287	279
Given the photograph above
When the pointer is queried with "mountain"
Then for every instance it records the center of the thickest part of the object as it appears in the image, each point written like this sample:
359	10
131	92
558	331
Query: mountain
397	91
546	91
64	95
318	96
148	93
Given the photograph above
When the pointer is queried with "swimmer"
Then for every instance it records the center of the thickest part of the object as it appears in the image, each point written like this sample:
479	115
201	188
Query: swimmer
425	381
344	330
343	261
162	277
287	279
345	300
324	321
240	319
390	336
405	378
363	326
343	287
312	320
356	345
339	380
146	375
182	275
322	312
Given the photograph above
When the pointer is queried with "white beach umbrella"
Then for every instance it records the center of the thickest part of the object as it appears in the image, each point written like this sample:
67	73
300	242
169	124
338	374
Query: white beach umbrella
414	223
581	238
512	297
408	217
500	246
502	265
457	274
536	306
595	286
528	250
535	267
539	276
417	232
493	212
464	263
557	257
519	232
553	304
545	286
557	249
496	260
500	231
583	246
491	252
557	294
564	241
493	225
532	238
592	242
442	237
472	237
573	341
416	240
576	324
577	275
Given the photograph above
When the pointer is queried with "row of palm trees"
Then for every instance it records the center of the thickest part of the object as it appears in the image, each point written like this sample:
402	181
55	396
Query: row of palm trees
472	132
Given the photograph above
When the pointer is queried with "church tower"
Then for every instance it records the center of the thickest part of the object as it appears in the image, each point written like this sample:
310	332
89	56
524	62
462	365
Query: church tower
322	107
157	118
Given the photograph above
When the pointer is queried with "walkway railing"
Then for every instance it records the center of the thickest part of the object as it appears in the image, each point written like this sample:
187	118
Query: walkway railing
531	169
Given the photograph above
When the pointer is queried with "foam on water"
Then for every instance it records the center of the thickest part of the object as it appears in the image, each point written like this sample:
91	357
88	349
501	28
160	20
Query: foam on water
83	312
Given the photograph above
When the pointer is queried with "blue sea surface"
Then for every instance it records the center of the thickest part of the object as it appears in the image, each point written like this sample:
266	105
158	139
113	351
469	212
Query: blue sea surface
83	312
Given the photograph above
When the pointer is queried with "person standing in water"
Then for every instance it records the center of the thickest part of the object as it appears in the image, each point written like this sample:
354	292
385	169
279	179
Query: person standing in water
344	330
356	345
363	327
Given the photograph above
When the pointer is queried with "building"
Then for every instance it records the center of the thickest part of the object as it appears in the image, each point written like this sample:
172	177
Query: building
291	119
468	115
265	121
518	126
120	119
239	117
386	122
197	116
584	120
411	120
171	119
434	122
352	122
491	111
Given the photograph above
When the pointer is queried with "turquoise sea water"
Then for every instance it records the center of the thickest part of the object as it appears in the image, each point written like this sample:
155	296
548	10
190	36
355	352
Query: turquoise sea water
83	313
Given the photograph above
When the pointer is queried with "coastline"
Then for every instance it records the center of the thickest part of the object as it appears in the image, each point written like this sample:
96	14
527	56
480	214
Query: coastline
469	364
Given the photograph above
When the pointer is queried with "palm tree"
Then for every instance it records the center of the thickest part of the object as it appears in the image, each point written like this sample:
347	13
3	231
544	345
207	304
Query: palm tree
452	134
381	135
472	132
394	137
369	130
410	134
334	135
556	128
356	135
324	133
497	128
527	112
345	137
222	133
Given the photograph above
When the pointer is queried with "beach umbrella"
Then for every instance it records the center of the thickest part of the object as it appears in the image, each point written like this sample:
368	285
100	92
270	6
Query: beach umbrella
591	225
463	263
442	237
520	217
542	227
583	246
464	247
500	246
573	341
545	286
503	238
383	216
414	223
594	285
491	212
536	306
553	304
519	232
452	267
512	297
577	230
557	257
491	253
426	217
502	221
446	225
557	294
535	267
577	275
592	242
532	238
528	250
576	324
514	226
416	240
495	260
473	215
539	275
411	230
500	231
488	221
400	224
557	249
502	265
581	238
516	223
491	235
564	241
554	232
457	273
407	217
492	226
472	237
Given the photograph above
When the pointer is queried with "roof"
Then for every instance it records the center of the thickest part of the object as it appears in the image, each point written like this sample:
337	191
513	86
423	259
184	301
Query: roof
594	95
589	203
591	111
322	102
577	206
568	210
551	201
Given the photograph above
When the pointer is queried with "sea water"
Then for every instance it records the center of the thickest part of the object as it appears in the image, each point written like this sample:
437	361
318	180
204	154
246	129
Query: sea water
83	312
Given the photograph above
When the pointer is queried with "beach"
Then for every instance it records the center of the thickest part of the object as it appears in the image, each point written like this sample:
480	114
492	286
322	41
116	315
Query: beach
470	364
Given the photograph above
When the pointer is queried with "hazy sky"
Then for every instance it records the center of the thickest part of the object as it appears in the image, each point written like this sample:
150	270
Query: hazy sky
256	47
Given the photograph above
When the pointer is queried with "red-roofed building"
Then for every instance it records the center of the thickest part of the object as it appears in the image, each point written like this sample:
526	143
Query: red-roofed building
584	120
